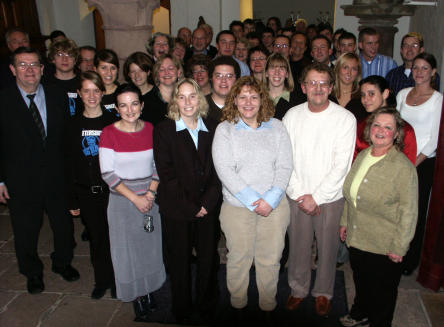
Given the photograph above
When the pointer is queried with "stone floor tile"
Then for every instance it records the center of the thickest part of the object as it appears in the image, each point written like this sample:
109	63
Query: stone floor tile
434	303
5	298
27	310
78	311
7	262
5	227
82	247
45	246
409	311
55	282
125	317
3	209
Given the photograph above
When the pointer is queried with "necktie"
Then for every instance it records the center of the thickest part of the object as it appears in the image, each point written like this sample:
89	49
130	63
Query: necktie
36	116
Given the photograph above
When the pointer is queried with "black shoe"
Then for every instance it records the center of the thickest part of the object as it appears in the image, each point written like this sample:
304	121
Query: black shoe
98	292
113	292
194	319
140	311
68	272
35	285
269	318
240	317
84	236
149	303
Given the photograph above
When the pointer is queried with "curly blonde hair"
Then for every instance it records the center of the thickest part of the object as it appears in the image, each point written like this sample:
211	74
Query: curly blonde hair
266	109
173	107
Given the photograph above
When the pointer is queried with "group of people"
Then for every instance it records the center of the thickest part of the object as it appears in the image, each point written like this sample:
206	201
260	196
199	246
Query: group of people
283	143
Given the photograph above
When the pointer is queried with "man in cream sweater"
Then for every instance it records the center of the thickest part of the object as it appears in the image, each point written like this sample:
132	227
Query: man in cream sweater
323	136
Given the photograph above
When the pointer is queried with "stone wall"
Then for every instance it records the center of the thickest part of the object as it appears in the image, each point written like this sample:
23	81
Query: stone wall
428	21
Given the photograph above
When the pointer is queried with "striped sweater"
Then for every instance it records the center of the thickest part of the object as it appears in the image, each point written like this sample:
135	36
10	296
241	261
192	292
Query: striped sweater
127	157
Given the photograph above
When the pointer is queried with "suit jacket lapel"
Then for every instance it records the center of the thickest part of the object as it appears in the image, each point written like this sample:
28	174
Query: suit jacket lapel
203	145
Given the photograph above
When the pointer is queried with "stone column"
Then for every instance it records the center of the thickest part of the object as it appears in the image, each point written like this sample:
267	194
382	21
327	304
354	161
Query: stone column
382	15
127	24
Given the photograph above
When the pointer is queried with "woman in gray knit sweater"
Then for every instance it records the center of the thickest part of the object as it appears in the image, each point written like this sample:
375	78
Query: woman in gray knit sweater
253	159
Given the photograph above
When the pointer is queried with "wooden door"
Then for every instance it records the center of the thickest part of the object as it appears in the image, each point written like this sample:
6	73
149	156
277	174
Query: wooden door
20	13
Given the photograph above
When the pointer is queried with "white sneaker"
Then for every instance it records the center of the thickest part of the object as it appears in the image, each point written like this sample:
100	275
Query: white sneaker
348	321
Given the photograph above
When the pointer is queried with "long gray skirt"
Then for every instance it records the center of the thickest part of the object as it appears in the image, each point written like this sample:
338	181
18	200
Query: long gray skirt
136	254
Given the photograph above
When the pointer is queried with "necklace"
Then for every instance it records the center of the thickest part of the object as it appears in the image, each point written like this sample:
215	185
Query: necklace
418	97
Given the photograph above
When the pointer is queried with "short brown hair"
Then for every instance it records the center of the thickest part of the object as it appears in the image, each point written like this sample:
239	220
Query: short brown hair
93	77
173	107
399	140
65	45
140	59
320	68
266	109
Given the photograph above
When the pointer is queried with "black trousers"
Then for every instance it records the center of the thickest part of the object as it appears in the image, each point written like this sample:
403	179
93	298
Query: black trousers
425	182
93	208
376	280
27	219
180	237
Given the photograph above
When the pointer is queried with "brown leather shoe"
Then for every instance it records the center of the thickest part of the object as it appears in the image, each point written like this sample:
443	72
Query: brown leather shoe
323	305
294	302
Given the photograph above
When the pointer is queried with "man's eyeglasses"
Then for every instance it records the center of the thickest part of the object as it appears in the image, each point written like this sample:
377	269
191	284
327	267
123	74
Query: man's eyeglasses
408	46
62	54
258	58
25	66
314	84
221	76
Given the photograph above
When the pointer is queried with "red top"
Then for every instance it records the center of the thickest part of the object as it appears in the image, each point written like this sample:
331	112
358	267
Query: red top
409	140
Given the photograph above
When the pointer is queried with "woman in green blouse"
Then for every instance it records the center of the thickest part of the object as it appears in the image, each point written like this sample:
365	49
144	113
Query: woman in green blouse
379	219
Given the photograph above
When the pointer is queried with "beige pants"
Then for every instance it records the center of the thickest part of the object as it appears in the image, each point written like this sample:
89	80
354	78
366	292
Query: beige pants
251	236
301	231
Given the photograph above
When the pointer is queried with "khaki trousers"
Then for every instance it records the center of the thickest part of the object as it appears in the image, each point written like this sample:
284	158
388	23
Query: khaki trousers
301	231
251	236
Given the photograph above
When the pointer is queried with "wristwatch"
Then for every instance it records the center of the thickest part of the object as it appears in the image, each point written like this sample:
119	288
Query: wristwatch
152	192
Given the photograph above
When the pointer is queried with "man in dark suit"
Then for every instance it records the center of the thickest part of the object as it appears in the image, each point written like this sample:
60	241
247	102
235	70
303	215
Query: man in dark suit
32	119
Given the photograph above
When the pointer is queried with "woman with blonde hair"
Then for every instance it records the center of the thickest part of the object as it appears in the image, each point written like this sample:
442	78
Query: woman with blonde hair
348	73
189	197
279	81
166	72
252	156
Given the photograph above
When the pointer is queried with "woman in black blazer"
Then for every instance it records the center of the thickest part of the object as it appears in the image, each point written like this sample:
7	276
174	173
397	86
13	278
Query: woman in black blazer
189	200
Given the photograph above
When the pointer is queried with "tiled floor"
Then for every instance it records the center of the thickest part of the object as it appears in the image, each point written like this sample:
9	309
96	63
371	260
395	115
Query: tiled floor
64	304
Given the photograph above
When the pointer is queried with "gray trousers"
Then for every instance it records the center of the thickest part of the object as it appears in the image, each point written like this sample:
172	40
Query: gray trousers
301	230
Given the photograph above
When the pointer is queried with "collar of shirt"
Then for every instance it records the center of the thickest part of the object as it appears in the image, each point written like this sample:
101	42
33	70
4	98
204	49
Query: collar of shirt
39	94
377	57
194	133
205	51
284	95
39	100
180	125
242	125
